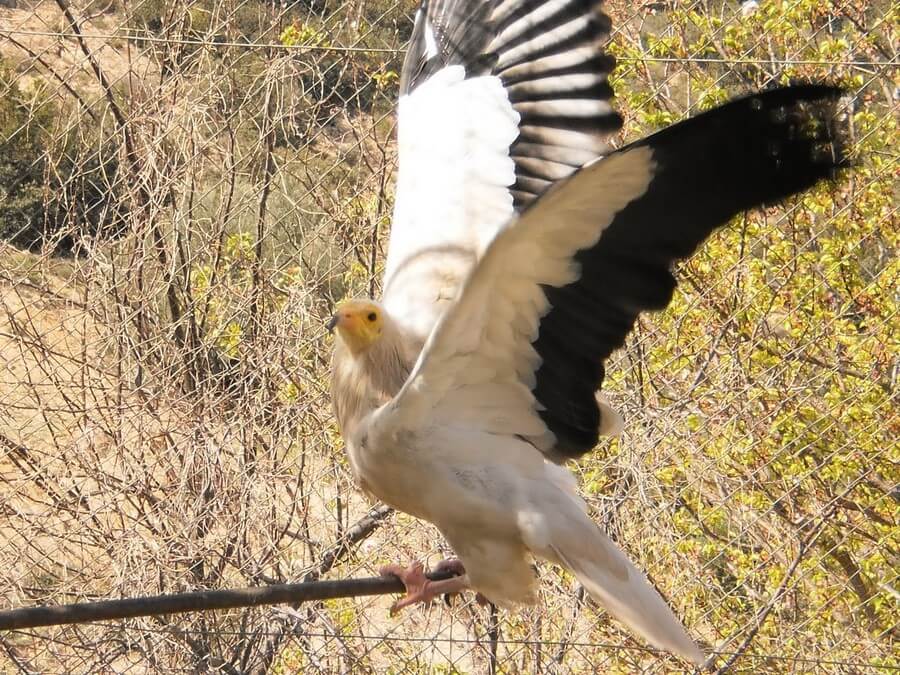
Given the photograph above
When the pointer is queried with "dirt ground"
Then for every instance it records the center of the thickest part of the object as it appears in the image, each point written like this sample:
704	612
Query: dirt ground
32	49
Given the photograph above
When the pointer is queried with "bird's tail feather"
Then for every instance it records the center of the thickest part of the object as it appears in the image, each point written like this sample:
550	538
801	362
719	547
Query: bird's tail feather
613	581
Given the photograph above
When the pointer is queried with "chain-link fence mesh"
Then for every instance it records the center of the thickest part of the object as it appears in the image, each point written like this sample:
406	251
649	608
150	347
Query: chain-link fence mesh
187	187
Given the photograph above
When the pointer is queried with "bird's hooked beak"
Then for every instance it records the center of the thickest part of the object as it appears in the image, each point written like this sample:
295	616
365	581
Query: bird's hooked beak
358	325
332	322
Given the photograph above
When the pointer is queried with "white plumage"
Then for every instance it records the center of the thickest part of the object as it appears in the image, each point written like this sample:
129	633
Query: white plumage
452	190
518	261
465	423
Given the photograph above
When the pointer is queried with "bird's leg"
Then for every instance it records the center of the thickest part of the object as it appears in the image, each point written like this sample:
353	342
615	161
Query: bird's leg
419	588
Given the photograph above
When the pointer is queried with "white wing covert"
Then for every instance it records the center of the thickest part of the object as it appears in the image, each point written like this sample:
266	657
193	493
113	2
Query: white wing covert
478	368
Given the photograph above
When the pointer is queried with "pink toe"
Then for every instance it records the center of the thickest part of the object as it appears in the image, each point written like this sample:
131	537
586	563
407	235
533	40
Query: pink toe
391	570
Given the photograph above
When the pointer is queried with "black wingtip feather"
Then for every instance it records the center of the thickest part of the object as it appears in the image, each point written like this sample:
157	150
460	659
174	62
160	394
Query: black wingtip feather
751	152
761	148
543	54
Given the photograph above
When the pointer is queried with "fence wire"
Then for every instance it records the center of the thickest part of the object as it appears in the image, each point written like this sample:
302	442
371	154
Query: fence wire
187	188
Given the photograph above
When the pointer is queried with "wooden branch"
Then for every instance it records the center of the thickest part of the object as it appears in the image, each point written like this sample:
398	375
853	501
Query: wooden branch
353	536
145	198
59	78
202	601
75	26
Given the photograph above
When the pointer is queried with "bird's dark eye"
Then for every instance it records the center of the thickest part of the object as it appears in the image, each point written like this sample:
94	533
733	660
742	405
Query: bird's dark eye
371	316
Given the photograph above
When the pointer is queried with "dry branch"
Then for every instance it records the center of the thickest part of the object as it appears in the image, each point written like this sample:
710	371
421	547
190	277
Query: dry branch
201	601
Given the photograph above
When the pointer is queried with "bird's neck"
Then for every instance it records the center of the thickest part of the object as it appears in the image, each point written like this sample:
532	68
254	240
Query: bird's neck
367	379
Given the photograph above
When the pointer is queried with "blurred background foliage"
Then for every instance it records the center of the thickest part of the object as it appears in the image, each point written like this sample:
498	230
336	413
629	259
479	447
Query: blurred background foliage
229	178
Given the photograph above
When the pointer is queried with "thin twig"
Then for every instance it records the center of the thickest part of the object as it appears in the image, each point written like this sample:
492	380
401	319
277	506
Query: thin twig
352	536
50	69
493	637
805	545
128	34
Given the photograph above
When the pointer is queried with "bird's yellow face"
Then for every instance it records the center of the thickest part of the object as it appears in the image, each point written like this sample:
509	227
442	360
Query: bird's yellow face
358	322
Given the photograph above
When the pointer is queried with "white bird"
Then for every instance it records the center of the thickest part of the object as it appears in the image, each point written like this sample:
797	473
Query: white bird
521	252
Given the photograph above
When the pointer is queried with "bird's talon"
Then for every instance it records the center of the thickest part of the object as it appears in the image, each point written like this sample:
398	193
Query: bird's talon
419	588
392	571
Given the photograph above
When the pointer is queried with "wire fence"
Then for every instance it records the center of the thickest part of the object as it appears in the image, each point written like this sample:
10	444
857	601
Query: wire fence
187	188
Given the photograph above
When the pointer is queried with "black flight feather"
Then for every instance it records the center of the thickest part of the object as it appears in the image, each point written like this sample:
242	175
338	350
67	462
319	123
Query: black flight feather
545	54
751	152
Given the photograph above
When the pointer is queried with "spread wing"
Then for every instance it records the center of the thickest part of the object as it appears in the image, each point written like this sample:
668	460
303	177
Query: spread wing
521	351
498	99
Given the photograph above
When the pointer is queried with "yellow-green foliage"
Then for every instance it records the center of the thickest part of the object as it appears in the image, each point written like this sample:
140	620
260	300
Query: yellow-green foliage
300	34
775	363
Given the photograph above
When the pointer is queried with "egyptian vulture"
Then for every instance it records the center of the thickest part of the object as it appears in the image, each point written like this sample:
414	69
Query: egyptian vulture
521	252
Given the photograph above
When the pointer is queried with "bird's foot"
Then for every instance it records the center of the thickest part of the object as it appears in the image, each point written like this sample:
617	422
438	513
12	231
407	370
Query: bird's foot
419	588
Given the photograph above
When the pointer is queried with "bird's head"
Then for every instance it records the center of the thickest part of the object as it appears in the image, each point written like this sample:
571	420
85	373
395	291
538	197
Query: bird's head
359	323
